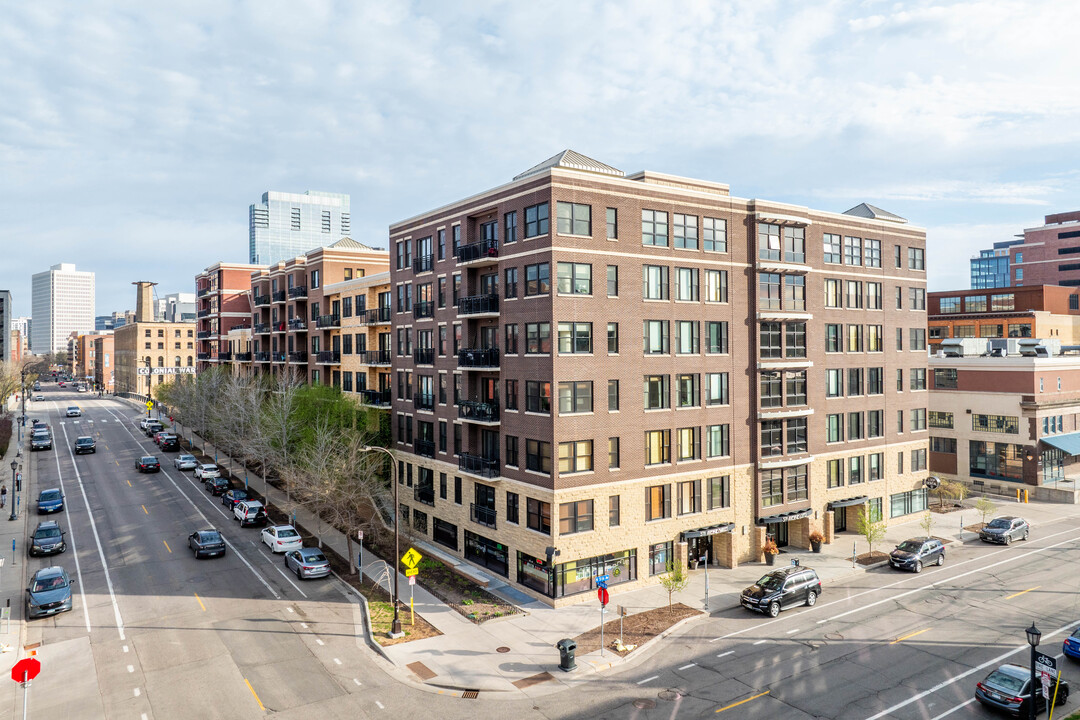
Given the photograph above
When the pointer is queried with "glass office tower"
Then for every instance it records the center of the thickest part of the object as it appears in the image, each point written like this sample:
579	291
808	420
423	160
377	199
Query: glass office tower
990	268
285	225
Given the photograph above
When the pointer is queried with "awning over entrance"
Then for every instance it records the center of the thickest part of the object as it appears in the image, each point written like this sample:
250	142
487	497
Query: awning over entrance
1069	442
707	531
784	517
847	502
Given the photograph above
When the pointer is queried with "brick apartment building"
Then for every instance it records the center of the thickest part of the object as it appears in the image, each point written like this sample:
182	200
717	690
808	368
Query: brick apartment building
360	351
1035	311
222	303
1047	255
600	373
104	367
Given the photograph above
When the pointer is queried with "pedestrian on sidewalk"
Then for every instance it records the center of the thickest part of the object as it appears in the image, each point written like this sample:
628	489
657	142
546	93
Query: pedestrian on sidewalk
3	495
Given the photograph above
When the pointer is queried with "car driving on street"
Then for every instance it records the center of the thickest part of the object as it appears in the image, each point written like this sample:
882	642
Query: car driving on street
1004	530
85	444
74	411
49	592
147	464
50	501
913	554
206	543
781	589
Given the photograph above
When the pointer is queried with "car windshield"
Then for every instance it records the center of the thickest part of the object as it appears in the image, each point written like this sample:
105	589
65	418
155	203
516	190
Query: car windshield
287	533
770	582
910	546
51	583
49	495
999	523
45	533
1005	681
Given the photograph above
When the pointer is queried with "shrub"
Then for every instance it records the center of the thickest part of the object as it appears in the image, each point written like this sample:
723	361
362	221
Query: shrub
816	537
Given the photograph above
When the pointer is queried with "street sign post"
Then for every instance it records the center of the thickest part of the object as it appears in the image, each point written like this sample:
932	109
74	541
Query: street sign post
411	558
603	596
24	671
1046	667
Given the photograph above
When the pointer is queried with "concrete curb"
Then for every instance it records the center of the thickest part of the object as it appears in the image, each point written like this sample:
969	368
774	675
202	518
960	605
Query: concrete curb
369	634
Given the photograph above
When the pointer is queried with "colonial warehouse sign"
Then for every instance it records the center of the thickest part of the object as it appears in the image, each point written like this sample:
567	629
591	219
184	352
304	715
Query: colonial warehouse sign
167	371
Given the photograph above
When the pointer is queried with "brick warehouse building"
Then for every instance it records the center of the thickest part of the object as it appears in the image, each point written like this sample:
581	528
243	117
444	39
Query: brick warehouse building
600	373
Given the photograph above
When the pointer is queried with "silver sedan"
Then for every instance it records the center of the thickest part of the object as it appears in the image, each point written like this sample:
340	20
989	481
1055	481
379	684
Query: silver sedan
307	563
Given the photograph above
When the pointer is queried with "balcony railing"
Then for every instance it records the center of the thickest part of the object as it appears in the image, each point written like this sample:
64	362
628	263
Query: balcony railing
378	398
424	263
203	356
262	357
279	326
328	321
278	296
478	465
423	401
204	334
329	357
423	309
478	250
424	356
300	291
203	292
278	357
242	357
478	411
424	447
204	313
478	358
298	356
483	515
224	356
261	300
375	316
298	324
424	495
477	304
376	357
261	328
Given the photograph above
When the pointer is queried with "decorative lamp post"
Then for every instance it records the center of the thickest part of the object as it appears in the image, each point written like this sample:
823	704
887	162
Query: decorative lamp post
395	626
15	515
1033	637
149	379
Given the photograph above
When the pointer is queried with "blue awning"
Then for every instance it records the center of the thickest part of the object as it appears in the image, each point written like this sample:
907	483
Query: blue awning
1069	443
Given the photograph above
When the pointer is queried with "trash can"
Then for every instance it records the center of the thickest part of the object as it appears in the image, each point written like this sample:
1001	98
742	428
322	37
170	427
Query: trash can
566	654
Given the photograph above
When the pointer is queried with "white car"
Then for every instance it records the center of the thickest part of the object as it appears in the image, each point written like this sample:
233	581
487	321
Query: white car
210	470
282	538
74	411
39	398
146	421
185	462
82	388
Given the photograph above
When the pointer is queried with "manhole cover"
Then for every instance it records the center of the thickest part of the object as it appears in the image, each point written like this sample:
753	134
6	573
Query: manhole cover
502	649
669	695
644	704
833	636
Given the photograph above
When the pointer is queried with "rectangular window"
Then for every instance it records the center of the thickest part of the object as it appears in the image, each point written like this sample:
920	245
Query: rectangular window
686	337
834	337
538	515
770	343
613	338
939	419
796	388
769	297
538	456
769	241
613	453
573	218
872	253
511	283
689	443
716	338
717	441
916	259
716	286
798	483
855	470
537	338
537	279
834	382
875	381
689	497
575	338
855	338
719	493
918	378
855	381
943	445
832	293
657	502
875	423
875	466
918	338
795	340
917	298
852	251
716	388
855	426
612	281
875	341
834	473
654	228
772	394
684	231
657	447
1007	424
574	278
772	487
512	451
834	428
918	459
613	395
612	224
510	224
654	282
575	456
656	341
796	436
873	296
538	396
794	292
613	511
714	234
512	507
536	220
832	249
511	399
686	284
656	392
575	397
511	345
853	294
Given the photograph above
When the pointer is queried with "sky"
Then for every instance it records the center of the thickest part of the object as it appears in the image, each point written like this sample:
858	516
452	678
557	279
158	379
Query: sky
134	136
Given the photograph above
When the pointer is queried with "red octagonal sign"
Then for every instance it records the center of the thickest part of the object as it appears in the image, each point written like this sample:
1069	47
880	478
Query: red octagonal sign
25	669
602	595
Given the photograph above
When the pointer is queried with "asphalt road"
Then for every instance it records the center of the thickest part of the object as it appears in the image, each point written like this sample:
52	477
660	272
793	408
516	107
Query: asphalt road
157	634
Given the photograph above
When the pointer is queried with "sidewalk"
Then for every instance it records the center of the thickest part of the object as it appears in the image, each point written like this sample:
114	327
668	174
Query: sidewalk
466	656
13	573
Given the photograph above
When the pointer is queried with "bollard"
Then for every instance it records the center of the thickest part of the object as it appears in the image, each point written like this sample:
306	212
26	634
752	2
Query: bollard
1025	496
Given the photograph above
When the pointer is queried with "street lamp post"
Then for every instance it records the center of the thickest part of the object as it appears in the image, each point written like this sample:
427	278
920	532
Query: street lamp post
395	626
14	513
149	379
1033	636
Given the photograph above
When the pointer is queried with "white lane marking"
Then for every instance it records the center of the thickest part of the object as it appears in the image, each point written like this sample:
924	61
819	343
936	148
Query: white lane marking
289	609
336	661
759	642
196	507
97	540
125	648
793	631
358	683
380	705
303	625
648	679
319	641
143	717
961	676
287	579
137	692
684	667
953	709
131	668
723	654
74	548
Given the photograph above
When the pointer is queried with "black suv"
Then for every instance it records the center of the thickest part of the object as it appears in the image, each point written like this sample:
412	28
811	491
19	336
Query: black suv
170	443
85	444
914	553
781	589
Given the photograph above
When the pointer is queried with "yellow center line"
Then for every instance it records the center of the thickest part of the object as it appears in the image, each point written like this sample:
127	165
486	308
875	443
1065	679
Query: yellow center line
144	509
753	697
129	483
1022	592
203	607
167	546
906	637
117	463
255	695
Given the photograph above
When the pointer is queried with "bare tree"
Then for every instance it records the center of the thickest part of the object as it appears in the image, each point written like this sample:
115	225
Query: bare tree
282	431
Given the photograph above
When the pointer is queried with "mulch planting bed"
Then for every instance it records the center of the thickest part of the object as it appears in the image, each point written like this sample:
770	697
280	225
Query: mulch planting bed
638	629
872	558
975	528
946	508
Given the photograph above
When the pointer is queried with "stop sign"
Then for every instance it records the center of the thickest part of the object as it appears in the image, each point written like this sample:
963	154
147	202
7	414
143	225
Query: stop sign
602	595
29	667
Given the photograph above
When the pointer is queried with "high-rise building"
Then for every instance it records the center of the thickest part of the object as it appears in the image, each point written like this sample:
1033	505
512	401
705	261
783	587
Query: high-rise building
177	307
287	225
62	302
597	373
104	322
7	351
990	268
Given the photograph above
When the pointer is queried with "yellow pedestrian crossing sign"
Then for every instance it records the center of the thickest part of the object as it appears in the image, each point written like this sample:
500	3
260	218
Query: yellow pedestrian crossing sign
411	558
411	572
149	405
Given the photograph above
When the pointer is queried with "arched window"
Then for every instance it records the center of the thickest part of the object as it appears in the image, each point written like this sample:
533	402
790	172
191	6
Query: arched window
161	361
190	361
146	361
177	363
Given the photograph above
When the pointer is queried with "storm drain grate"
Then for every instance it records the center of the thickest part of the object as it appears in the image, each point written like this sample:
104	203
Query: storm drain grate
470	694
502	649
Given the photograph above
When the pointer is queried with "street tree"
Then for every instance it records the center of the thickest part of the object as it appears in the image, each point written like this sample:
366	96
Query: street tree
674	580
950	490
870	525
986	507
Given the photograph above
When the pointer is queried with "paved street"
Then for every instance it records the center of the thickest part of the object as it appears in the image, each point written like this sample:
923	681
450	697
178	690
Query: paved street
157	634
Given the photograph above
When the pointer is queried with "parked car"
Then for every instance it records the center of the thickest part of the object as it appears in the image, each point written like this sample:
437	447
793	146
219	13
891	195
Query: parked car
781	589
913	554
74	411
206	543
282	538
1008	689
147	464
37	385
169	443
85	444
81	388
49	592
307	563
143	422
48	539
217	485
1071	646
185	462
250	512
50	501
207	470
156	437
1004	530
41	440
231	497
154	426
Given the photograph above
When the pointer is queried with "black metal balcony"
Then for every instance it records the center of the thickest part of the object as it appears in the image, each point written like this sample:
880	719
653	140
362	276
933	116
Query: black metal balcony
478	358
278	357
202	356
375	316
424	495
298	356
298	324
203	292
376	357
278	296
424	356
477	304
424	447
483	515
478	465
300	291
204	313
424	309
478	411
261	328
328	321
262	357
423	401
329	357
278	326
224	356
377	398
242	357
261	300
204	334
483	249
424	263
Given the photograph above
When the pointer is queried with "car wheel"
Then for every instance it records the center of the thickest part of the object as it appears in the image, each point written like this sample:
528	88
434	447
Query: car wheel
299	574
1026	533
811	599
1008	539
773	609
941	559
918	566
1063	696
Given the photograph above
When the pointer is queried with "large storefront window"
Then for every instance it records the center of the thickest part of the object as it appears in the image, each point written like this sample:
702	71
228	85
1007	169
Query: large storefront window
487	553
580	575
1053	465
996	460
445	533
660	555
906	503
534	573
